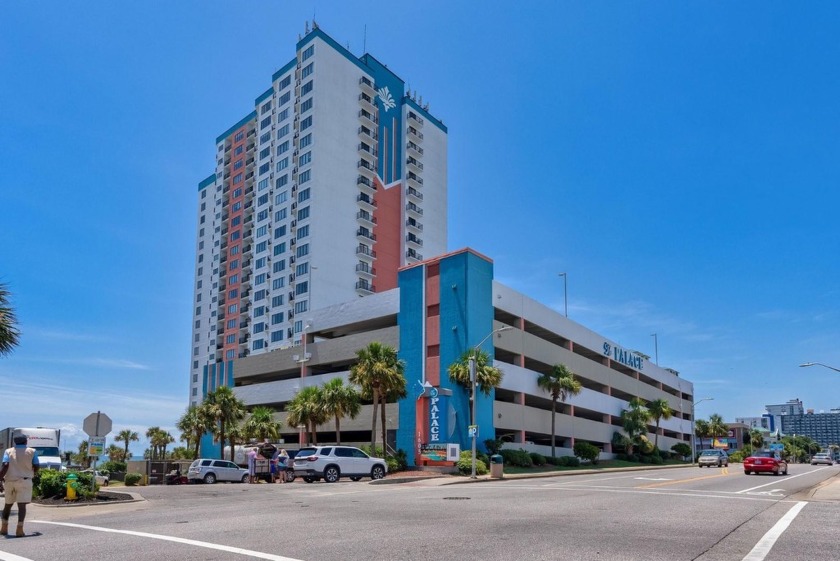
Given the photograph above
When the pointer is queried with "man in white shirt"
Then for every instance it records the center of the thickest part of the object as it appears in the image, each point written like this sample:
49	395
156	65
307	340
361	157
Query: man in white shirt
20	464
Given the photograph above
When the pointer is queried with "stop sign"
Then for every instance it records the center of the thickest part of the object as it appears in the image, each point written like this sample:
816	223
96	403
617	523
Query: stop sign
97	424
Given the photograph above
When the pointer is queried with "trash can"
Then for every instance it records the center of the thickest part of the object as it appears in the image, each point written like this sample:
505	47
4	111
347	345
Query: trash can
497	463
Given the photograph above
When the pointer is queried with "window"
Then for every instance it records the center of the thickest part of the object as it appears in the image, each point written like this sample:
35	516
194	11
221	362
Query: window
231	323
235	235
260	295
235	220
277	336
301	306
298	326
264	137
278	283
230	339
305	176
283	164
237	205
305	159
281	197
279	266
263	184
285	99
306	123
233	280
277	301
264	168
283	148
308	53
239	136
262	200
302	232
266	108
307	87
302	250
265	122
237	178
303	213
307	70
281	181
259	311
303	195
301	288
279	215
239	150
264	153
262	246
230	354
305	140
284	114
276	318
262	215
233	293
234	250
257	345
284	130
306	105
232	308
280	231
302	269
234	264
259	327
237	192
284	83
259	263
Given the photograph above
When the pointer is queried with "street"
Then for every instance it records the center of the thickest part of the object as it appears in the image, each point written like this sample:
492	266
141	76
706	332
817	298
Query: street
665	514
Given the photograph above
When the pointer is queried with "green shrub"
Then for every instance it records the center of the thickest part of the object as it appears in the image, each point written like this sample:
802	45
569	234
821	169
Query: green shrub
568	461
621	457
633	458
517	458
587	451
132	479
737	456
656	460
51	483
537	459
465	464
493	445
682	449
644	459
109	467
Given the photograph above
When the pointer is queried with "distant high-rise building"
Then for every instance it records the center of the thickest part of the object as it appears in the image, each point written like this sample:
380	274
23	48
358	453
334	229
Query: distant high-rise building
776	412
334	181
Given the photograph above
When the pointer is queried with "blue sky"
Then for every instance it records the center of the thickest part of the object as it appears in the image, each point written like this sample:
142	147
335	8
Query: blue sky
678	161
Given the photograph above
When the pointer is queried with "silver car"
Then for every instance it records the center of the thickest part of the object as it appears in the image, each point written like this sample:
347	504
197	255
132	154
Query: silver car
211	471
709	458
822	459
333	462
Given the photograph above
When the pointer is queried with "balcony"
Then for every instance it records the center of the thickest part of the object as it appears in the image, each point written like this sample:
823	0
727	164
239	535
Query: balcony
415	135
366	150
367	135
411	239
413	254
365	269
366	218
414	179
412	224
415	119
363	288
412	208
366	185
366	168
368	118
366	202
364	251
414	194
414	150
364	235
366	101
414	165
367	85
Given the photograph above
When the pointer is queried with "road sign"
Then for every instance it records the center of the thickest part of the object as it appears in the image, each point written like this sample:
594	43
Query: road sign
473	431
96	446
97	424
778	446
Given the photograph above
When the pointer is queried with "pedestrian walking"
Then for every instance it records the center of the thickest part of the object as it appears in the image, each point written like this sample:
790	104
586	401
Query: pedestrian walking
20	464
282	464
252	465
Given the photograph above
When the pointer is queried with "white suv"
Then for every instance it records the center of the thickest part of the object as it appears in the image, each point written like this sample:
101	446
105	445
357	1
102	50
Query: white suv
333	462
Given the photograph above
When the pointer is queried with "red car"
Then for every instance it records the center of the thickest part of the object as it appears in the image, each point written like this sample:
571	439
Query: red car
765	460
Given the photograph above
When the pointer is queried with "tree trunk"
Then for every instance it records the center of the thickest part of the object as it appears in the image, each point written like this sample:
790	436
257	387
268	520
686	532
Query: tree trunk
337	431
373	424
222	440
656	437
553	432
384	430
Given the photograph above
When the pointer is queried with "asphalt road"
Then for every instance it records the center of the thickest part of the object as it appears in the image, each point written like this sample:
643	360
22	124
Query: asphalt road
675	514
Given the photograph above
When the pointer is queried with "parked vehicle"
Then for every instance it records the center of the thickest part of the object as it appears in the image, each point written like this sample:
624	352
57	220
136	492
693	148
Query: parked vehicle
709	458
765	461
44	440
333	462
822	459
211	471
102	478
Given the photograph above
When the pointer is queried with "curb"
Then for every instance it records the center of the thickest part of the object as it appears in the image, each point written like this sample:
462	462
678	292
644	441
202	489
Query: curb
133	498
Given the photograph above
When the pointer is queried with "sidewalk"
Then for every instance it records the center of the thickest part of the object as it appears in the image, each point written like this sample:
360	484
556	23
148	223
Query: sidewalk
829	490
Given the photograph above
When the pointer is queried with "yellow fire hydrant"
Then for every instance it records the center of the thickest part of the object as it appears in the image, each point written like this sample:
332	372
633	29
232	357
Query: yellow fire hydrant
72	485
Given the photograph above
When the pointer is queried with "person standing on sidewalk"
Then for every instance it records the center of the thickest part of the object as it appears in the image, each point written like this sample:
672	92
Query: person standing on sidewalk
20	464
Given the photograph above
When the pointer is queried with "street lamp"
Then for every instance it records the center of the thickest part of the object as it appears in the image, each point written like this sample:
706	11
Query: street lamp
655	347
474	428
565	298
693	405
818	364
302	359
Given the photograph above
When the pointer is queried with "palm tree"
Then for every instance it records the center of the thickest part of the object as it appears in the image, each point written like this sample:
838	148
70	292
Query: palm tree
560	382
115	453
659	409
151	434
126	436
701	429
307	409
9	333
261	424
82	458
756	439
376	372
340	401
487	376
193	424
225	410
393	389
717	427
634	420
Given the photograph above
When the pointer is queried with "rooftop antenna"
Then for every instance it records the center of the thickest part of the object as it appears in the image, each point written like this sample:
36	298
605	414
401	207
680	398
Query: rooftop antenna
306	30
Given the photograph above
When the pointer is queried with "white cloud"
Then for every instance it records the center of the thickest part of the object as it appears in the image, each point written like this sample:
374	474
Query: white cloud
96	362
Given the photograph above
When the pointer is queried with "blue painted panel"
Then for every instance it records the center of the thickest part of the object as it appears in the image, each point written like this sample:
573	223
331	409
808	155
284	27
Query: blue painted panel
389	100
210	449
265	95
209	181
279	74
410	320
332	43
250	117
428	116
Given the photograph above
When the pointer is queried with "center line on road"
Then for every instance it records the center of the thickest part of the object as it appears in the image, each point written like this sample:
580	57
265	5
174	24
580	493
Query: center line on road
765	544
208	545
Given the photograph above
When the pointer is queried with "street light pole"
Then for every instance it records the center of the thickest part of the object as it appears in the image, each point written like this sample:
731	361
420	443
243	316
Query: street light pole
693	447
565	294
472	367
655	347
819	364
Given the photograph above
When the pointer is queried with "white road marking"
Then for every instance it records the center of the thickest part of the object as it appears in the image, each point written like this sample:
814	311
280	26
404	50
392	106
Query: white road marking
776	482
703	494
654	478
12	557
765	544
226	548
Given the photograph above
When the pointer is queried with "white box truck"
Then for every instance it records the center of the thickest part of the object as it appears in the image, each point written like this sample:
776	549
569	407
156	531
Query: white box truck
44	440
